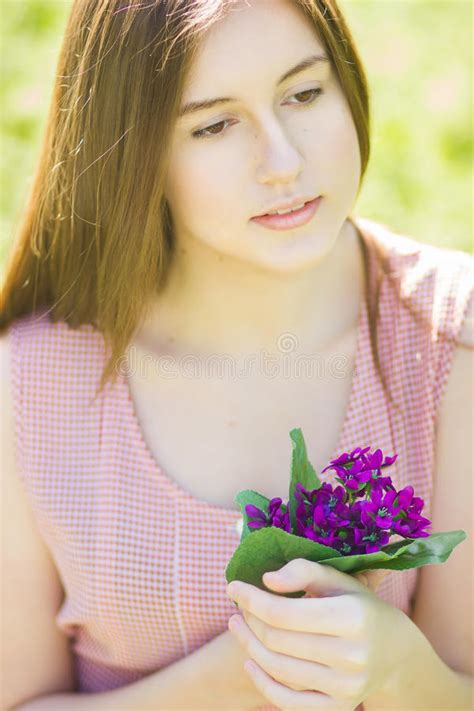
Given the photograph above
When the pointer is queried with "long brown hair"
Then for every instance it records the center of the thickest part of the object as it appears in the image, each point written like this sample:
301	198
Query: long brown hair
95	240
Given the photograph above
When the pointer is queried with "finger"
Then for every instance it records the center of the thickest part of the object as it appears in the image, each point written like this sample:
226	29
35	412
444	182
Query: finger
335	615
372	578
362	578
336	652
296	673
287	699
378	576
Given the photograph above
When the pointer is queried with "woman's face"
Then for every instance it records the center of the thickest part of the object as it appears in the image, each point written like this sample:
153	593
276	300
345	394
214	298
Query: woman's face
271	143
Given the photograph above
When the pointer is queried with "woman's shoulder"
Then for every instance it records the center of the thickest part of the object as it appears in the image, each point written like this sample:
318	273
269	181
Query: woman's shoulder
433	282
38	334
51	357
41	325
414	256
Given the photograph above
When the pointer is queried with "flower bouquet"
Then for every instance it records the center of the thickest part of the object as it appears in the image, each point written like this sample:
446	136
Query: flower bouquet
347	527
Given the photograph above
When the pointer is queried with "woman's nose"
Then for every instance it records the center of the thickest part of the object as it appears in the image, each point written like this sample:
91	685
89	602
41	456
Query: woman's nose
279	157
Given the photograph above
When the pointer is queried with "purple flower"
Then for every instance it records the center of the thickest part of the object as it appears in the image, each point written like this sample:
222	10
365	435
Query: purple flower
411	525
321	506
379	510
356	517
371	539
346	458
277	515
356	475
361	471
360	539
324	535
331	499
321	512
375	463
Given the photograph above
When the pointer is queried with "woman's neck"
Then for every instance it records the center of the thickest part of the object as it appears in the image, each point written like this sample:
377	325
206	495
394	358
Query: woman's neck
212	305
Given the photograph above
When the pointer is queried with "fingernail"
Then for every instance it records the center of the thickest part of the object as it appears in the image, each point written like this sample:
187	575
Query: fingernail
233	590
234	622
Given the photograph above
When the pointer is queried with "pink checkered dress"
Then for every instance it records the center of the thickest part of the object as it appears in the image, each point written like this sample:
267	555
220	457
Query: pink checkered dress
142	560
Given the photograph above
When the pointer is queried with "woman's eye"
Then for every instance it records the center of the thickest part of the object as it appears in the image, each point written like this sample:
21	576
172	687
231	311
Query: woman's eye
202	132
312	92
210	130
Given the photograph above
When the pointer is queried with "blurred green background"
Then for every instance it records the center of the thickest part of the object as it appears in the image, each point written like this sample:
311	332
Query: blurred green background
418	56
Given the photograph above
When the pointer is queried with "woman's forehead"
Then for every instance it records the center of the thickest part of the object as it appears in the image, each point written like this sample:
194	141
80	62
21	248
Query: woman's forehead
257	39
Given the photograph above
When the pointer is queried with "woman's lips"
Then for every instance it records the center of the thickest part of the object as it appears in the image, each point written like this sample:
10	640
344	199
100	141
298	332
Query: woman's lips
290	219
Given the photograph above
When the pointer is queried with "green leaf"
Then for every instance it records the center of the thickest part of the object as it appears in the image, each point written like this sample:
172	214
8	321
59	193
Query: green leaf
270	548
302	471
409	553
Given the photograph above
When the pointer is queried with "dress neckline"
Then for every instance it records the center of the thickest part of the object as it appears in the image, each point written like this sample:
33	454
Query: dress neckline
178	491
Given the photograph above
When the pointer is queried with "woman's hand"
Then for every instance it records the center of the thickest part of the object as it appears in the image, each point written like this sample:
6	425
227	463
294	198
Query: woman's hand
242	692
328	650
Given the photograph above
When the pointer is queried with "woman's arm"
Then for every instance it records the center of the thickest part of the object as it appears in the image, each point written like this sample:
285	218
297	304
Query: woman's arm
212	677
441	674
425	683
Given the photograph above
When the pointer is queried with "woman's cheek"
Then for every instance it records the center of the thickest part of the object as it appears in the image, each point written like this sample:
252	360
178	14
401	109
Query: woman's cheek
189	183
203	197
341	151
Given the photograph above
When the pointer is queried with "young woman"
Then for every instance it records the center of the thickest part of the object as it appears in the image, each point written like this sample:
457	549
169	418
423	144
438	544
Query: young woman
148	253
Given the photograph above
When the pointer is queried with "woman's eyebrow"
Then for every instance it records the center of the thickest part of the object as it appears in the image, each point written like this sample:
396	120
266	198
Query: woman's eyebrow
194	106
